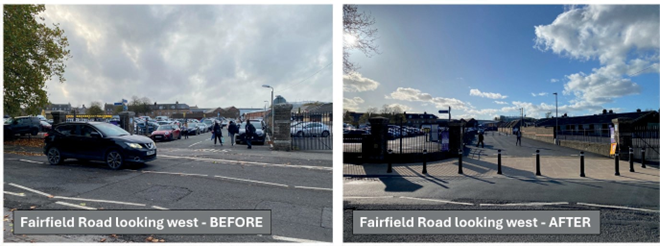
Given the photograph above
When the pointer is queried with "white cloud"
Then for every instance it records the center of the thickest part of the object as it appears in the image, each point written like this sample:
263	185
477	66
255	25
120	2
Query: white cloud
554	80
356	83
477	92
415	95
501	102
539	94
403	108
623	38
352	104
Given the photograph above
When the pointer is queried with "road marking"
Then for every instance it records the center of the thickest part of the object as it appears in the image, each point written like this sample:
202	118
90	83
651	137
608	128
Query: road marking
367	197
31	161
621	207
101	201
74	205
313	188
198	143
295	240
15	194
252	181
247	162
31	190
161	208
523	204
437	200
185	174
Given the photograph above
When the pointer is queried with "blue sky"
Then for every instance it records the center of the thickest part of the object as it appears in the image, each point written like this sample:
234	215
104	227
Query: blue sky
486	61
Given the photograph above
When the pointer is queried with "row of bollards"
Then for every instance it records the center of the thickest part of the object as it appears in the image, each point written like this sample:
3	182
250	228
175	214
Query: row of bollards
538	162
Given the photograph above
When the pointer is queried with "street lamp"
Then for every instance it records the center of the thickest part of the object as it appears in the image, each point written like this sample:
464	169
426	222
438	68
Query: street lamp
556	119
272	109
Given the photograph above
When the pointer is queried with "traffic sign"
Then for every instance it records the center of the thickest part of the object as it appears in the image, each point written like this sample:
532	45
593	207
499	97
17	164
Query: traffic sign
118	104
443	111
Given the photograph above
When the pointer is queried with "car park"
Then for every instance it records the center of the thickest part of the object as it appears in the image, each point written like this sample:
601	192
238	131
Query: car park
22	125
310	129
97	141
259	137
166	132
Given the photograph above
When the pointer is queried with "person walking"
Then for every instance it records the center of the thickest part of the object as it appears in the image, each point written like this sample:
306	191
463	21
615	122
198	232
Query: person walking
481	139
249	132
232	129
184	130
217	130
518	136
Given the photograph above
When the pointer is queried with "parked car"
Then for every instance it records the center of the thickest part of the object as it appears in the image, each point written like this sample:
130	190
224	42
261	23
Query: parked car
209	123
192	129
310	129
22	125
45	126
97	141
164	122
166	132
202	127
259	137
147	127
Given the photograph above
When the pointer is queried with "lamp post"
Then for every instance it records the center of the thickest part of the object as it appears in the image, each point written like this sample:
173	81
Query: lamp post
556	119
272	109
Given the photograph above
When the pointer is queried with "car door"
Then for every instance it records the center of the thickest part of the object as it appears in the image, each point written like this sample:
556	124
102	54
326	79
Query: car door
62	139
91	142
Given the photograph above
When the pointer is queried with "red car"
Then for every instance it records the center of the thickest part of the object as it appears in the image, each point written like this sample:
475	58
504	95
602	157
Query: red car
166	132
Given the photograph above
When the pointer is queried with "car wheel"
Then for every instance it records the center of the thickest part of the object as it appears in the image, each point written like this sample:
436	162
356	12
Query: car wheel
54	156
300	134
325	134
35	132
114	159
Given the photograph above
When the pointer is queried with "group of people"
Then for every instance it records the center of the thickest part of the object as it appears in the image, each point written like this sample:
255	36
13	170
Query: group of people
232	129
481	138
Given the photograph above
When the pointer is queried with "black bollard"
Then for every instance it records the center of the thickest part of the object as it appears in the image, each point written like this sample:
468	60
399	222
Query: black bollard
460	161
389	163
616	163
643	156
581	163
499	161
630	159
538	163
424	157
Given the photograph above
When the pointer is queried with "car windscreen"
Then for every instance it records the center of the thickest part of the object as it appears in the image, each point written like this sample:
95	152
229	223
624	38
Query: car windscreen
257	125
165	127
111	130
208	122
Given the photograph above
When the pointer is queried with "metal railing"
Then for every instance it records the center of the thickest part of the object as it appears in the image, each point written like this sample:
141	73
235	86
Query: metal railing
311	131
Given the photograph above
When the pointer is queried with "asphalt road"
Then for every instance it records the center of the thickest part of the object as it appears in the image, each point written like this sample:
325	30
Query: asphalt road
507	143
189	174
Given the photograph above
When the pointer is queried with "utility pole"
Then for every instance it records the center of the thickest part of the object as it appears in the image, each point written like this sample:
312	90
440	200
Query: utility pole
556	119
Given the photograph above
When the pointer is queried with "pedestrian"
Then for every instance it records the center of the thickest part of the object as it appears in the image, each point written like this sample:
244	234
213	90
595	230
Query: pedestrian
249	132
518	136
481	139
184	129
232	129
217	132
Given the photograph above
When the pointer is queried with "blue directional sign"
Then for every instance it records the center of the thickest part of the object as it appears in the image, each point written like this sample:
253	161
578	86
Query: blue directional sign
118	104
443	111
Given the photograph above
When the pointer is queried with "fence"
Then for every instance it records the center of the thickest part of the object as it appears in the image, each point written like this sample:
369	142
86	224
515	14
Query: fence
646	137
311	131
585	138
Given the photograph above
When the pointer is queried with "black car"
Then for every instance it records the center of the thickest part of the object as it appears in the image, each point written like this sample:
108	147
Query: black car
22	125
97	141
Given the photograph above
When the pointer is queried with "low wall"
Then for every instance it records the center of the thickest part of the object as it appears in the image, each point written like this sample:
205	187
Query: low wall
597	148
543	134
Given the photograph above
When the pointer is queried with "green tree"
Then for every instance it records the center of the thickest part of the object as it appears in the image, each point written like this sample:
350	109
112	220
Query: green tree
95	109
33	54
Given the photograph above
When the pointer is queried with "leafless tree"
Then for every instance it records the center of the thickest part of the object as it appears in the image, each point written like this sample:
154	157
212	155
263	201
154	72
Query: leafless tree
359	27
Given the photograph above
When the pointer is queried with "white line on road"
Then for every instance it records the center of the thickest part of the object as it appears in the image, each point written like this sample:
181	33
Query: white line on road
438	200
252	181
31	190
367	197
524	204
620	207
74	205
101	201
295	240
246	162
185	174
14	194
161	208
313	188
31	161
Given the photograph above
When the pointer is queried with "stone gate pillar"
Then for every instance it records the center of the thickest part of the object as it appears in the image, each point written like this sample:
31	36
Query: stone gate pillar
377	148
282	132
126	121
455	136
58	117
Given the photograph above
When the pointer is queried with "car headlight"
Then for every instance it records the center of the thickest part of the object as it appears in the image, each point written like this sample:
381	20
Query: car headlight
134	145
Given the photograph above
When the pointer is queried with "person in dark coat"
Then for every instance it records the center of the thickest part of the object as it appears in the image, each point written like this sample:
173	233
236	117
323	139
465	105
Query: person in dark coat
481	139
249	133
232	129
217	130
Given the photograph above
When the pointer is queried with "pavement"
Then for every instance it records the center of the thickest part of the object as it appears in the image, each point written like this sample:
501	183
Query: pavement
628	203
189	174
